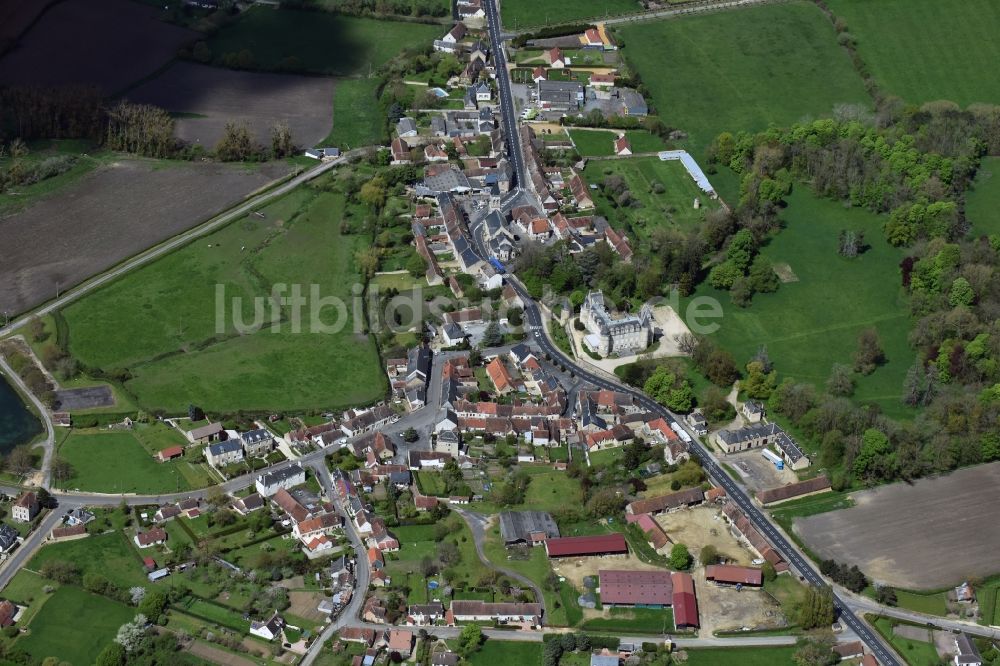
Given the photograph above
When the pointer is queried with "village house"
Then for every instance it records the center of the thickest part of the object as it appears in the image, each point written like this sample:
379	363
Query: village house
25	508
664	503
622	146
400	642
269	483
269	629
257	443
224	453
507	613
205	434
424	614
9	538
151	537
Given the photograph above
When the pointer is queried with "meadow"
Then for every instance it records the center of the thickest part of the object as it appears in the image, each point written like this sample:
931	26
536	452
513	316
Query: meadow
319	42
106	554
117	462
982	202
644	177
910	47
181	341
742	70
56	631
507	653
520	14
757	656
812	323
357	120
599	143
916	653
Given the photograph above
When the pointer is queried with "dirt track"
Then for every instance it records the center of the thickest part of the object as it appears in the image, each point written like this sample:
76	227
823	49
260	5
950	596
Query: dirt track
109	215
109	44
216	96
935	533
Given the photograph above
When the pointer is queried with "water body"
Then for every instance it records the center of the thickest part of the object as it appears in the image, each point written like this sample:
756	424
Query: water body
17	424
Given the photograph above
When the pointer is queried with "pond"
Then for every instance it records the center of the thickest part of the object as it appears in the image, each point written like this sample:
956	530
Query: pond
17	424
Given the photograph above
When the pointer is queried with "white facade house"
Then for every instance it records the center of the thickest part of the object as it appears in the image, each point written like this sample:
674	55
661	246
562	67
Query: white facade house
628	334
289	477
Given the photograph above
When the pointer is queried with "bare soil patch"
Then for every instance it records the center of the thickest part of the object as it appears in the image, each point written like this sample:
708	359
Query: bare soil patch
109	215
758	472
304	605
87	397
725	609
210	97
932	534
785	272
110	44
218	655
700	526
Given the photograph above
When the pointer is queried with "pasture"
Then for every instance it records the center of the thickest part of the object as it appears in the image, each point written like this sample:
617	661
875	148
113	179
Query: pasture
910	47
182	341
318	42
662	194
108	554
117	462
982	202
742	70
57	629
520	14
124	42
897	534
206	98
110	214
357	120
813	323
599	143
756	656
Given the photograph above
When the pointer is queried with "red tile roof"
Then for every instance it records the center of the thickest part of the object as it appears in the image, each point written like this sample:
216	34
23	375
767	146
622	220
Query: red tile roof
782	493
684	602
499	375
586	545
171	452
636	587
727	573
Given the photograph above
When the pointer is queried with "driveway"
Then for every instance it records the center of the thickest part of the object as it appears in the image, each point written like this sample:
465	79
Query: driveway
477	523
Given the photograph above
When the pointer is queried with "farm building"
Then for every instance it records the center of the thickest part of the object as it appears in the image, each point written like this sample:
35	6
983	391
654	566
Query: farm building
684	602
727	574
819	484
170	453
636	588
520	527
603	544
654	505
482	611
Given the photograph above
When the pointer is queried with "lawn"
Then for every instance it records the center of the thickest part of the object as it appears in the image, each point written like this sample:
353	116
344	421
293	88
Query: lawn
319	42
550	490
519	14
507	653
57	630
756	656
915	653
220	615
742	70
982	202
175	323
599	143
909	46
638	620
644	176
431	483
115	462
605	457
106	554
812	323
988	594
357	120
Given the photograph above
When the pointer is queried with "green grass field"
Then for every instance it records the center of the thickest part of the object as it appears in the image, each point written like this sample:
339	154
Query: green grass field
106	554
674	206
599	143
909	46
604	457
519	14
638	620
356	117
507	653
162	321
757	656
916	653
321	42
742	70
813	323
982	202
116	462
59	630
